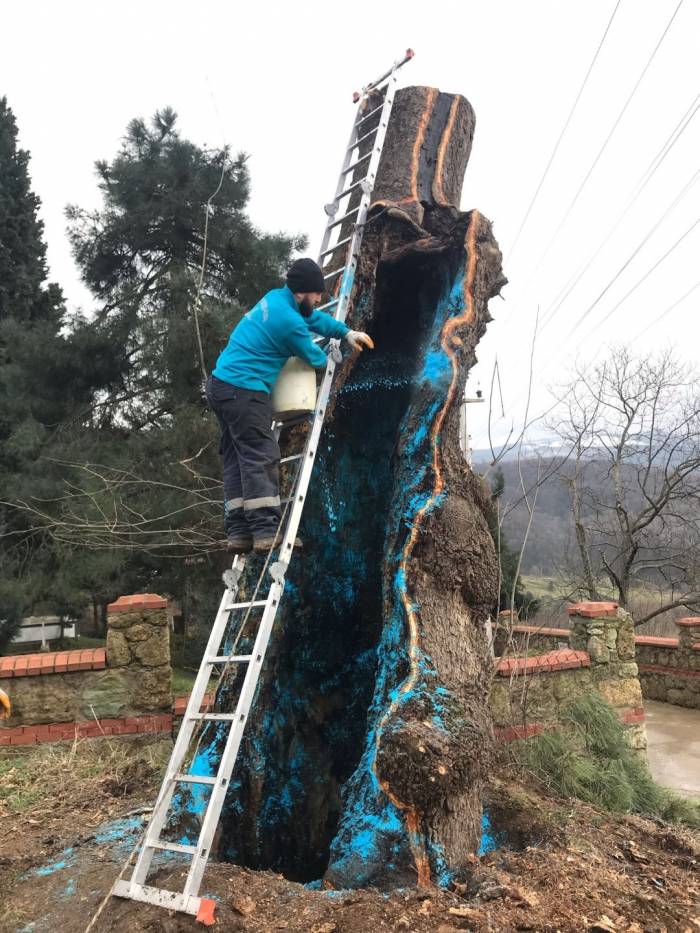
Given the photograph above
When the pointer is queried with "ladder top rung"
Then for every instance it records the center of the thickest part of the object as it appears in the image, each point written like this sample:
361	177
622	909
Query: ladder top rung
224	658
194	779
172	847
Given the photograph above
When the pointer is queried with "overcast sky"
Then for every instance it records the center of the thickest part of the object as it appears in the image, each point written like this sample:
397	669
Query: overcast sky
276	80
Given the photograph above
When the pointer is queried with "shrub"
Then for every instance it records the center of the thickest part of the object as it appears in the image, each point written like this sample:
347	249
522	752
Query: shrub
591	760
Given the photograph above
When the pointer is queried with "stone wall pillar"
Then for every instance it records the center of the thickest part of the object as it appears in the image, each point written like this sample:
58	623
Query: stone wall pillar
606	632
683	687
138	646
689	634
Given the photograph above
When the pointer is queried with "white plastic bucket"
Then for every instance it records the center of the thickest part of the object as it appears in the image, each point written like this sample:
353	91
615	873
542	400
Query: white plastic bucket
294	393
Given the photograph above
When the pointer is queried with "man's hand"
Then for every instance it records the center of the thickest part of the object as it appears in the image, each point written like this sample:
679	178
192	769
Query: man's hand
358	341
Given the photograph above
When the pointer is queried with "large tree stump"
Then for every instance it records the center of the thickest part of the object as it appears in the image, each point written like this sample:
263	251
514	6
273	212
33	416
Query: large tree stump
367	753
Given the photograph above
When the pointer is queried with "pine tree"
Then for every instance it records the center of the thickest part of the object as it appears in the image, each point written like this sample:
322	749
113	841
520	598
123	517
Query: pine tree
141	255
31	315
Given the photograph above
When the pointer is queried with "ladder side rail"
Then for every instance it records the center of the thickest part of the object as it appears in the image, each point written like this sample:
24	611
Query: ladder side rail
233	741
245	700
347	156
354	249
162	805
341	313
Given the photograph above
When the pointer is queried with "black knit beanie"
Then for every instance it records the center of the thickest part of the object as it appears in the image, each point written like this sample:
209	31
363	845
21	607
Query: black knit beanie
305	276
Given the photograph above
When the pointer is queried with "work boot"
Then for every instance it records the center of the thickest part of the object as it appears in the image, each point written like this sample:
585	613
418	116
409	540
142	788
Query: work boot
239	544
266	543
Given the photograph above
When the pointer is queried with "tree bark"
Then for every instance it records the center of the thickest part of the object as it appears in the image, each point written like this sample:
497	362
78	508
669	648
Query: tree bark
366	756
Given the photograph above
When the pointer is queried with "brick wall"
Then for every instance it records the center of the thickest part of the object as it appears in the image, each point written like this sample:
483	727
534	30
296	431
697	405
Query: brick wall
129	679
668	668
529	690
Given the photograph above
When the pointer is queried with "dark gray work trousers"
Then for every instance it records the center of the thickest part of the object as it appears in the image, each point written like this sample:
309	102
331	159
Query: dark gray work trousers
251	459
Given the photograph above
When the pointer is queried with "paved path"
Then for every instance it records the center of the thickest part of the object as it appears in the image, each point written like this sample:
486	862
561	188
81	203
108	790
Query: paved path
673	733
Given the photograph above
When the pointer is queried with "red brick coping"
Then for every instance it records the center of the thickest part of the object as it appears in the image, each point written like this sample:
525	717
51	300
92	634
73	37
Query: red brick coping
654	641
138	601
600	610
562	660
53	662
651	640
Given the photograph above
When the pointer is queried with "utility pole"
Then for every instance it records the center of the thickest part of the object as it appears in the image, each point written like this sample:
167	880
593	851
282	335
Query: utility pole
464	435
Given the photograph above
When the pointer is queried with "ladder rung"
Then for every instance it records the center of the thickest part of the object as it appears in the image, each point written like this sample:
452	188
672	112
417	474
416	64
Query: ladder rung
361	139
328	304
234	658
340	220
370	114
332	249
293	457
334	273
214	717
254	604
352	187
350	168
194	779
172	847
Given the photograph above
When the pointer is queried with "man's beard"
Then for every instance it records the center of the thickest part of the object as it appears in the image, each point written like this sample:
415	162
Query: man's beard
305	306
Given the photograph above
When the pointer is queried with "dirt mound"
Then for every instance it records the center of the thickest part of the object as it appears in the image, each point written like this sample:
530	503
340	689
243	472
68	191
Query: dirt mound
561	865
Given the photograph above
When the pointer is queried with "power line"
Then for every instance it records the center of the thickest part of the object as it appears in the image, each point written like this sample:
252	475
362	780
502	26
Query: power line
645	276
644	180
610	135
563	131
604	146
608	315
664	313
686	188
621	301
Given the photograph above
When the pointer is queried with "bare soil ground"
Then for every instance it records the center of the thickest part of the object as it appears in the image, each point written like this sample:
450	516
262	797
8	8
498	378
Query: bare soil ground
71	815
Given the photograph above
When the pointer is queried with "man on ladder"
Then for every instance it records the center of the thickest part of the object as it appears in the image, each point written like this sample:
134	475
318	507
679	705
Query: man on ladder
278	327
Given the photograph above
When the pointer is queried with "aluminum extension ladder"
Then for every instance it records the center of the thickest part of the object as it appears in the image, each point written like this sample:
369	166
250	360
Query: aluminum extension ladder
188	901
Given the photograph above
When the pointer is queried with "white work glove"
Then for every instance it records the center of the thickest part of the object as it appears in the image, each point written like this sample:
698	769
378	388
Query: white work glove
358	341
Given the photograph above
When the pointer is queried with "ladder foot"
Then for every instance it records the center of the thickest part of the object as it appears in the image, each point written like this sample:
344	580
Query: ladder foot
205	914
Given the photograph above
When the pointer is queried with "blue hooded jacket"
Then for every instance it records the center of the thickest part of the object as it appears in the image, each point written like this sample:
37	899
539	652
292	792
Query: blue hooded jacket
271	332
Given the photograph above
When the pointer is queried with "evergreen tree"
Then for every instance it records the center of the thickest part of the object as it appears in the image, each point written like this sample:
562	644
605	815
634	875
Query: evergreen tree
116	474
141	256
31	315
